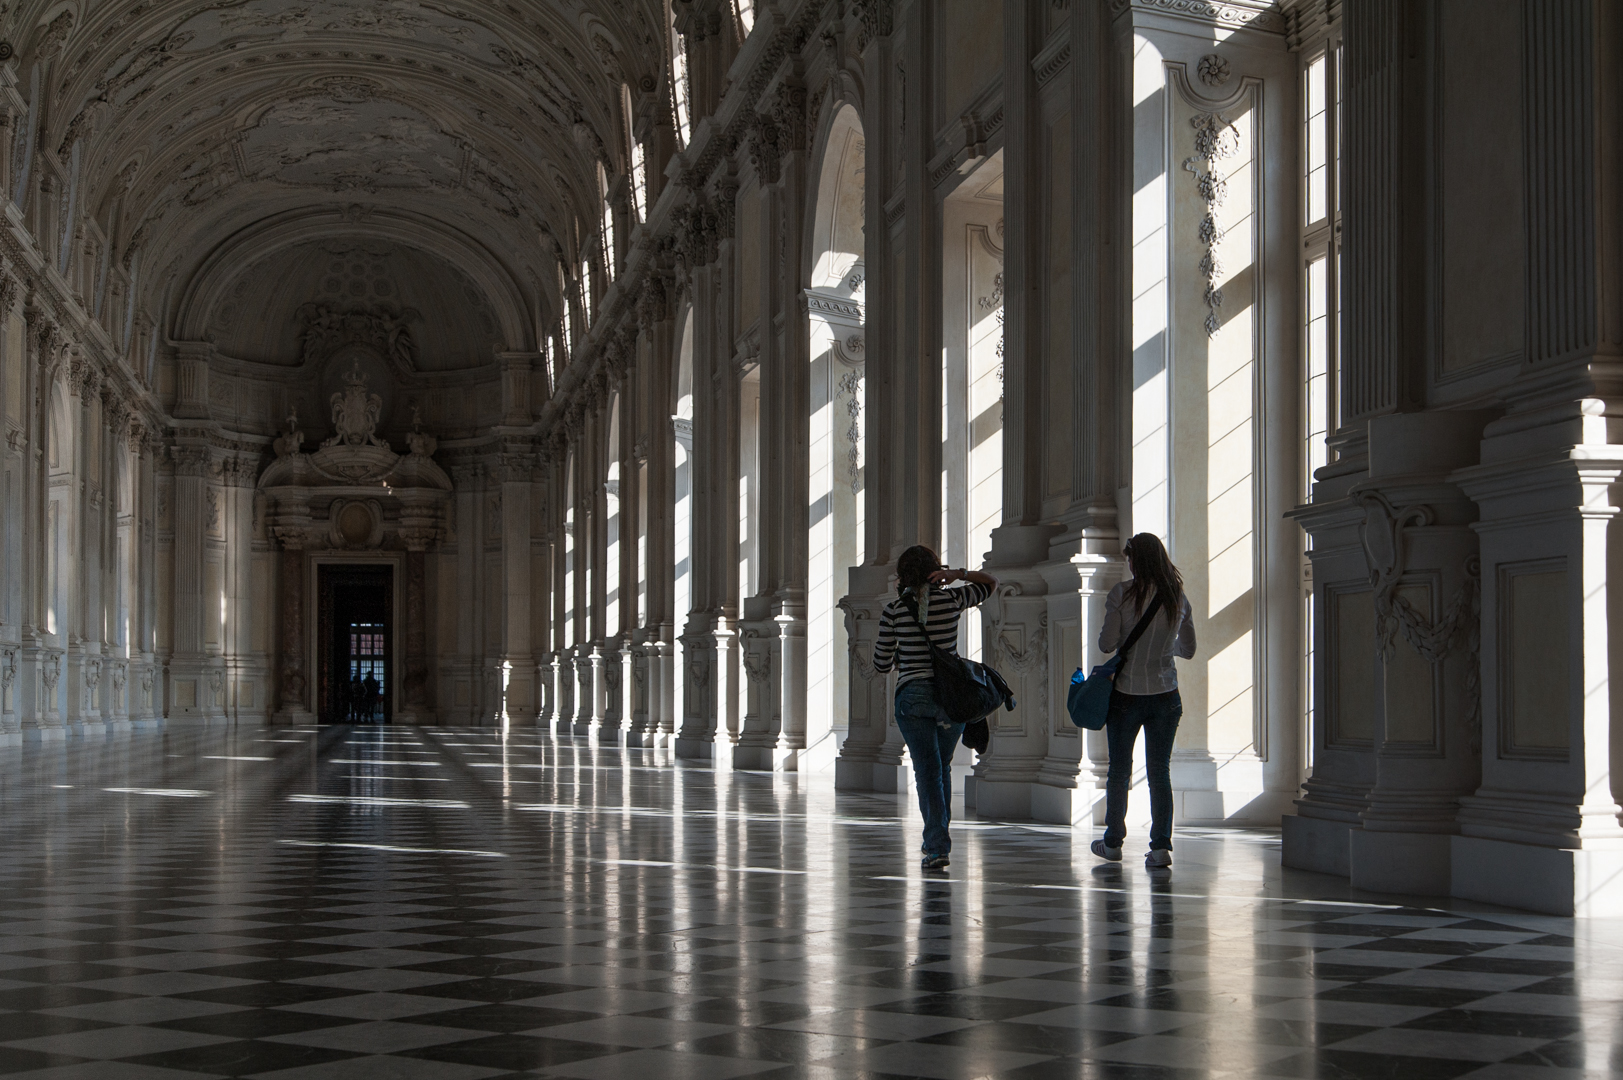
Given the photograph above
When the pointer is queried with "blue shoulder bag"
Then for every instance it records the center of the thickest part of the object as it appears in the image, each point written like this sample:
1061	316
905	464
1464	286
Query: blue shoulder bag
1088	700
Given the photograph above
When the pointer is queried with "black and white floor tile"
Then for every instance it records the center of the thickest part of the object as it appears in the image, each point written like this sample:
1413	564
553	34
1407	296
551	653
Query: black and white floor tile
452	904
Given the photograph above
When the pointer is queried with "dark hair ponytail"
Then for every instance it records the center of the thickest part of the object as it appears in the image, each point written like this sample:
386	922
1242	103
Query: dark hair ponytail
1153	575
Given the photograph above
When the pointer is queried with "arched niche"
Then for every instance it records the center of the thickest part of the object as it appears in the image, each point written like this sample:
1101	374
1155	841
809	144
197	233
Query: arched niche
835	294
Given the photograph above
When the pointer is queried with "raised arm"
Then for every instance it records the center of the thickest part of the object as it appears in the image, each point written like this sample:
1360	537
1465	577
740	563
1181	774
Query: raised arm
978	585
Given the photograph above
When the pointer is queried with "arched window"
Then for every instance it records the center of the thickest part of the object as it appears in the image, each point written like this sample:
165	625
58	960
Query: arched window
586	309
744	16
639	164
566	307
679	83
606	233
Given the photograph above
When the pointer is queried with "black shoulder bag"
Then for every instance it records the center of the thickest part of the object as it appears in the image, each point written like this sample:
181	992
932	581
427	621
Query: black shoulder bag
969	692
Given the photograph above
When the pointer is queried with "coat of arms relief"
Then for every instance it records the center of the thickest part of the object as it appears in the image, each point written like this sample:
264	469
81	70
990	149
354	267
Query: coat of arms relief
355	413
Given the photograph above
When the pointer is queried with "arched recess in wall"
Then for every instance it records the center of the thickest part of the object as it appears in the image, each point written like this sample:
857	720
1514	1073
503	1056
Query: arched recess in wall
972	374
835	292
682	457
613	620
59	511
571	635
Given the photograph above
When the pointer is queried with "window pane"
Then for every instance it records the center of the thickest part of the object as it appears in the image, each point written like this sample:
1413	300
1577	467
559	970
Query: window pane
1318	373
1315	141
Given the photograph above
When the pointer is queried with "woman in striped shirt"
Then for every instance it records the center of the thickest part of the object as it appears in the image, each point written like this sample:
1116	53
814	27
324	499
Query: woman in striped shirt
931	737
1145	693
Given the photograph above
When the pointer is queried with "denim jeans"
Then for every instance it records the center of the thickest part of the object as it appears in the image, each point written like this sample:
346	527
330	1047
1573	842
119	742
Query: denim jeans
1158	715
931	746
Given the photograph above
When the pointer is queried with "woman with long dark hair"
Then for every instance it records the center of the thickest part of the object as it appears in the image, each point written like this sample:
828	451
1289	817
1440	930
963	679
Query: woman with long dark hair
1145	693
925	604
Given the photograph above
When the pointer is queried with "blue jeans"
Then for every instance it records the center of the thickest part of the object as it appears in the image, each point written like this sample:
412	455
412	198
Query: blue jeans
931	746
1158	715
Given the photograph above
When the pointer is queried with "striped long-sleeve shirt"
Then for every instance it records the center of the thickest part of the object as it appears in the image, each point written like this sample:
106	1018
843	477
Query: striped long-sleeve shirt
901	644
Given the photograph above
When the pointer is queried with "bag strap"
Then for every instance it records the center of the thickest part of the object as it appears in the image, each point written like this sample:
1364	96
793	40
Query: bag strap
912	607
1142	625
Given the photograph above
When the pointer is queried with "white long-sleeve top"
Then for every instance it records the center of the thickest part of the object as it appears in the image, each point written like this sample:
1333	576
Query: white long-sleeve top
1148	667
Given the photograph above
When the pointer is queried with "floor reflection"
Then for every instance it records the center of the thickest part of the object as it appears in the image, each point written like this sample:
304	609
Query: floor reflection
377	901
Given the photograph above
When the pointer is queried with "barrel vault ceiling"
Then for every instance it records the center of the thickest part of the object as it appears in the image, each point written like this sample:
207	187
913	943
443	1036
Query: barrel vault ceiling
222	142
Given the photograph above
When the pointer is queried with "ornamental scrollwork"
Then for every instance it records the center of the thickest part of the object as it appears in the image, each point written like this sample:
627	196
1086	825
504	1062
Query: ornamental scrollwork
861	664
1216	140
1384	536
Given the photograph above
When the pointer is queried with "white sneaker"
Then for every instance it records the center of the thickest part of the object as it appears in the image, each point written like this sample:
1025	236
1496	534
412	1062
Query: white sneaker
1111	853
1158	859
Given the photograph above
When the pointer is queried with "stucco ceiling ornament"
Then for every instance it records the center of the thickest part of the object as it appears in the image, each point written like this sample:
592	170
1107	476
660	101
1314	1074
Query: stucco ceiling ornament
385	328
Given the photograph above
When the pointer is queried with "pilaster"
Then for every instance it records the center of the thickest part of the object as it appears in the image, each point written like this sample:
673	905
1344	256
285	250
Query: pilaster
1423	568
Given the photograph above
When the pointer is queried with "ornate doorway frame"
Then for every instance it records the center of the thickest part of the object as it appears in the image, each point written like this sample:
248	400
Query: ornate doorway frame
316	658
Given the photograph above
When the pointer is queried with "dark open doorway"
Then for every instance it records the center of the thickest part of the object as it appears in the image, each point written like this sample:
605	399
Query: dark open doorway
355	623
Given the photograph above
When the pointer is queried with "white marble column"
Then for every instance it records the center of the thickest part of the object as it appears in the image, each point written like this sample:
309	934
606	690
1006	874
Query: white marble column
1543	831
871	755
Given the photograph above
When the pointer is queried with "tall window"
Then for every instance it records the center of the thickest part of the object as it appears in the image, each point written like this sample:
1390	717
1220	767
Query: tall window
639	165
679	83
606	232
1321	296
1321	240
744	13
566	306
586	297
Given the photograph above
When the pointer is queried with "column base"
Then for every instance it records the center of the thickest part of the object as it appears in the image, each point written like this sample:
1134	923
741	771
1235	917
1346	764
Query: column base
298	717
1396	862
1316	844
695	749
82	728
44	734
11	738
1229	807
871	776
147	723
1574	882
754	758
766	759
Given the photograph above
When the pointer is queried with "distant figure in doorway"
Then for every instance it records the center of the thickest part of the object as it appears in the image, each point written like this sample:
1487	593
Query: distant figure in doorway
1145	694
931	737
371	699
357	695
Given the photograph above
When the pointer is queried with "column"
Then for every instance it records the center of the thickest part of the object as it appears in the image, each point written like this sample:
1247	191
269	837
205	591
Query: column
1015	621
791	451
514	473
191	689
697	659
415	707
658	332
1421	555
1542	831
144	686
293	687
1383	251
124	457
871	755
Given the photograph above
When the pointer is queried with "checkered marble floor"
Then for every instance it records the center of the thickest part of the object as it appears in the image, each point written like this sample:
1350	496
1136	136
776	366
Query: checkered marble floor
448	903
